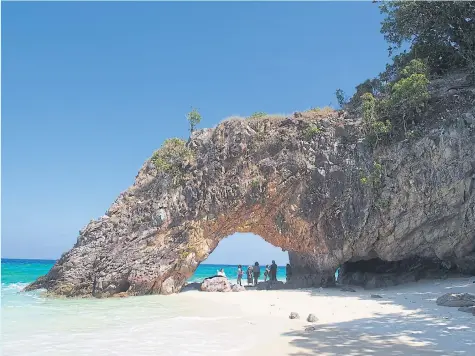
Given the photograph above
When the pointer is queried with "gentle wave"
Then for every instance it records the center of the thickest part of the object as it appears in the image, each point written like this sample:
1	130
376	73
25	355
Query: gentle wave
14	286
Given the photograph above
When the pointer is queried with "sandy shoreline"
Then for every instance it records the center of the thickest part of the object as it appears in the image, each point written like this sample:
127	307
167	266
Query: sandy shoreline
405	321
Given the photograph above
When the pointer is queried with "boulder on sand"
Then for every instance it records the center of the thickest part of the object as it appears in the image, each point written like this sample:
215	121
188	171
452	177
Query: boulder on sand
312	318
294	315
456	300
237	288
216	284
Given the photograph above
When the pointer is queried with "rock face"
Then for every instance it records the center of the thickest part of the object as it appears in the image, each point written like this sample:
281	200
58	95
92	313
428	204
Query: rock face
308	184
456	300
216	284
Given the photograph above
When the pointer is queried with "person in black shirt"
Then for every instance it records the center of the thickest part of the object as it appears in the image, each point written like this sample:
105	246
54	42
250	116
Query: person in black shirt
288	271
257	272
273	271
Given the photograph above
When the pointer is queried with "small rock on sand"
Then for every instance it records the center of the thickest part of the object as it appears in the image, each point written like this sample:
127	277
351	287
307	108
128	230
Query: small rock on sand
456	300
347	289
237	288
310	328
375	296
294	315
312	318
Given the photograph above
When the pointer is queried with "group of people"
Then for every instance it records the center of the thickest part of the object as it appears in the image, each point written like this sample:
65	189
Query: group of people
254	272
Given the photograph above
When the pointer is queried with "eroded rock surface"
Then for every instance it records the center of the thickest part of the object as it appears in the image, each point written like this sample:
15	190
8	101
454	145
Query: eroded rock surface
216	284
299	188
456	300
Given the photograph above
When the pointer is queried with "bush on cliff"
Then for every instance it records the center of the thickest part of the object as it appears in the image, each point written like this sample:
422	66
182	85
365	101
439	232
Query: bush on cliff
409	95
311	131
171	156
375	129
397	103
257	115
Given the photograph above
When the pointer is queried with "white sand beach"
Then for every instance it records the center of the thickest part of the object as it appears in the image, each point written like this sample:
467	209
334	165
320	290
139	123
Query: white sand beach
405	321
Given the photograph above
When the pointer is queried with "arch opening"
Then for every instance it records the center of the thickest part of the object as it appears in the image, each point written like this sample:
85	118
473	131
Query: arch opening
242	249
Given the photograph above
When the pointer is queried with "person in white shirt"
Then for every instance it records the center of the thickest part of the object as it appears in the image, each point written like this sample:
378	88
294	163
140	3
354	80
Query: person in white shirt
221	273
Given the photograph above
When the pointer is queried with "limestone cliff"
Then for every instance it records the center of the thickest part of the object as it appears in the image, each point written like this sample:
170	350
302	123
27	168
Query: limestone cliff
308	184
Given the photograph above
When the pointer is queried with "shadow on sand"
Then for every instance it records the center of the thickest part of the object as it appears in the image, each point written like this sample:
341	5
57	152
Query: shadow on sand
423	329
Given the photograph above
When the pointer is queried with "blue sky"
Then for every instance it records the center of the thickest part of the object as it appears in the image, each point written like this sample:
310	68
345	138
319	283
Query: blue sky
90	90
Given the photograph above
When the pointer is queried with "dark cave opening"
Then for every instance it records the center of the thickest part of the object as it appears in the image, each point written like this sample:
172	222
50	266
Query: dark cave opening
377	273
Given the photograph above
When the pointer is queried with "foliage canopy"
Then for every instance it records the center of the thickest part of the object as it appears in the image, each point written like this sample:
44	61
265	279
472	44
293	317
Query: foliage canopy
441	31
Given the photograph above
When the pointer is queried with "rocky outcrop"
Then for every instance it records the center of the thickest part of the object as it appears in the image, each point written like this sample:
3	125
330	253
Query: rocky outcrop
456	300
309	184
216	284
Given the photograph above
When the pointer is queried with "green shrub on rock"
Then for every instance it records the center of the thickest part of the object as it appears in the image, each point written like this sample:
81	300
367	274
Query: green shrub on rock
171	156
257	115
311	131
374	129
409	95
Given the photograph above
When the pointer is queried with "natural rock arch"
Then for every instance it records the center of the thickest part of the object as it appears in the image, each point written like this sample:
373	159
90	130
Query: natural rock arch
307	184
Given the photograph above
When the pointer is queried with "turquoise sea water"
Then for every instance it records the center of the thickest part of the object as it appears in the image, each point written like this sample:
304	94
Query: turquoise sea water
18	272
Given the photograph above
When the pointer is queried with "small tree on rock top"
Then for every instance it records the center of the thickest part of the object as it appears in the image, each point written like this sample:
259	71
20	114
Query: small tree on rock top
340	97
194	118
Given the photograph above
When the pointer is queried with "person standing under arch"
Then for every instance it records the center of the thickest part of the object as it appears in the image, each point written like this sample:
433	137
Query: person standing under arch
249	275
273	271
288	272
239	275
257	272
